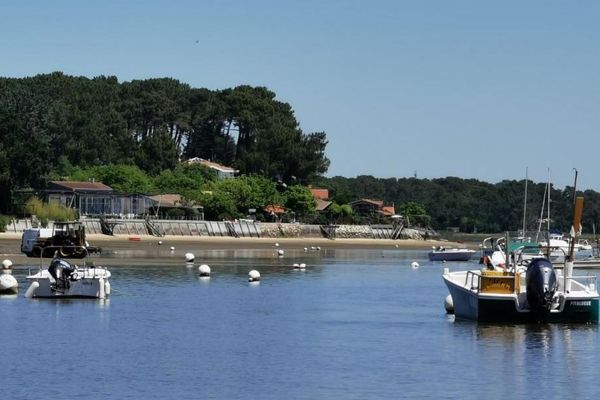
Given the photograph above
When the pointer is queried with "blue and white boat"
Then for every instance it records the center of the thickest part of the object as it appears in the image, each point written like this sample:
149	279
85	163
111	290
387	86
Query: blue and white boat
453	254
516	290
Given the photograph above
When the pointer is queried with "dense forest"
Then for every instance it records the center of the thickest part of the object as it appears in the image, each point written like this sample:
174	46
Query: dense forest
133	135
51	123
470	204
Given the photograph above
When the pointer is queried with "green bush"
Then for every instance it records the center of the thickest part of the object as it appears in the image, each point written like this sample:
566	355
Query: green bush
52	211
4	221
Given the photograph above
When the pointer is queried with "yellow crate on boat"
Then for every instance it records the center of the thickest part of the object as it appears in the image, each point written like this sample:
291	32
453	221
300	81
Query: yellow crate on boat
498	282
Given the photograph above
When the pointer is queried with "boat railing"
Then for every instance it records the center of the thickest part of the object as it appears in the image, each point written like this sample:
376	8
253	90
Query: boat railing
498	282
587	282
473	280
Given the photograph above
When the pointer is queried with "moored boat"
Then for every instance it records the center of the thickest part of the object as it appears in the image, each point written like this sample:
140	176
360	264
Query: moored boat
515	290
452	254
64	280
496	296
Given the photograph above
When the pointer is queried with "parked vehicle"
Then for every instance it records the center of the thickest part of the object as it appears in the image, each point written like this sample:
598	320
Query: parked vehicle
65	239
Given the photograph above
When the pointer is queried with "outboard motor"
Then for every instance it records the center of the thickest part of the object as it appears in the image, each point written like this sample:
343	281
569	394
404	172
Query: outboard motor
62	272
541	285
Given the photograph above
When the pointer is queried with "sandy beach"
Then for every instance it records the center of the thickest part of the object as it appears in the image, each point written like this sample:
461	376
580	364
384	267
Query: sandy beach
152	247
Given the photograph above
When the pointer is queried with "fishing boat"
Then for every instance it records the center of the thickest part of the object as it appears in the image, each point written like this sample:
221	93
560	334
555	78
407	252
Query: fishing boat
522	291
452	254
65	280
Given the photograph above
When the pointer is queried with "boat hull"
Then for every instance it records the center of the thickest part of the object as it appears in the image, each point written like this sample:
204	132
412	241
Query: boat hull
450	255
90	284
470	305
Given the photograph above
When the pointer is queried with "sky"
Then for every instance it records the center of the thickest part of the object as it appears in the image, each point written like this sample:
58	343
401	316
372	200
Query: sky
472	89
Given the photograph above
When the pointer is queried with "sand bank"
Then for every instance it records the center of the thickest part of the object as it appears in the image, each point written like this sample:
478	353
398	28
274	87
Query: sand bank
146	249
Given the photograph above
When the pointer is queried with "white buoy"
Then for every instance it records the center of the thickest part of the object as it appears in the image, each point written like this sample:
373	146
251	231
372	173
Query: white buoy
189	257
31	289
107	288
160	242
276	244
302	266
8	284
172	248
397	246
204	270
296	265
305	249
253	276
318	248
414	265
280	253
449	304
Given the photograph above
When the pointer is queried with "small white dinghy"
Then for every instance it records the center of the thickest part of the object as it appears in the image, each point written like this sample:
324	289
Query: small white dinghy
64	280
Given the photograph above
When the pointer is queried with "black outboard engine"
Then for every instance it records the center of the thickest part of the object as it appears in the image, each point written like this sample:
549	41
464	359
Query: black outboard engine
541	285
62	272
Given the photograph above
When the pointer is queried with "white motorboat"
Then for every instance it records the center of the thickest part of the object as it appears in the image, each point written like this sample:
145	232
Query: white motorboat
524	295
452	254
557	245
64	280
510	289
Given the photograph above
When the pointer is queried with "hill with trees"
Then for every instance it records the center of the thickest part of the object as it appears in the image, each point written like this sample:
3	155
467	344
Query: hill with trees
51	123
133	135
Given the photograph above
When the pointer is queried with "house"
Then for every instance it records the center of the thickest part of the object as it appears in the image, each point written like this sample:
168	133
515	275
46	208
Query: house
171	205
321	197
319	194
223	172
368	206
92	198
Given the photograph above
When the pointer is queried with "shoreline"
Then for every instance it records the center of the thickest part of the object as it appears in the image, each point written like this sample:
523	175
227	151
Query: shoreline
250	243
146	249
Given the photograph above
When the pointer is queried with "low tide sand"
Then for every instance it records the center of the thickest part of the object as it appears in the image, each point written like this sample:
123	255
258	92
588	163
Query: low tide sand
130	245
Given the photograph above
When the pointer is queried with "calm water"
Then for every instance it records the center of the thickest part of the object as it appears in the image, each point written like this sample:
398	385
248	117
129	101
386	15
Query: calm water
354	325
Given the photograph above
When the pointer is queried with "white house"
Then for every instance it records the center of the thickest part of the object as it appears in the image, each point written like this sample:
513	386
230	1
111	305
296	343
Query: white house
223	172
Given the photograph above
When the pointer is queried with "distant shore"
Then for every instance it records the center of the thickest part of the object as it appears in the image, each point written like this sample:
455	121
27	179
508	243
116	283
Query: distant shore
10	244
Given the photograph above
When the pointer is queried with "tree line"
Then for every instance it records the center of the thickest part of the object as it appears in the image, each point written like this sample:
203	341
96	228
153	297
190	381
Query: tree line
51	123
470	204
133	135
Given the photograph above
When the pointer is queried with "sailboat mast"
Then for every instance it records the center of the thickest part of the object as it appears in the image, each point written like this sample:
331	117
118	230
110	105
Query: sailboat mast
548	205
575	188
525	201
541	214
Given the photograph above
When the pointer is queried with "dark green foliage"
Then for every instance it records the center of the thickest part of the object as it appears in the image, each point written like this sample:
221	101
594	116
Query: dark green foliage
300	201
4	221
123	178
468	203
53	122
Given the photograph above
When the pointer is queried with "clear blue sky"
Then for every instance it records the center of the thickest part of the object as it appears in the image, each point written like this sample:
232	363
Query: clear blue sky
474	89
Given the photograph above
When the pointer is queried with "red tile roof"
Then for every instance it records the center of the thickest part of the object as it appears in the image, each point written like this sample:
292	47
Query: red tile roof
320	194
388	210
277	209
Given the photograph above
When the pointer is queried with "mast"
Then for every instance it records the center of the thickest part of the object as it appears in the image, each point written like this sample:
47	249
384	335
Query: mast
548	207
575	188
541	213
525	201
